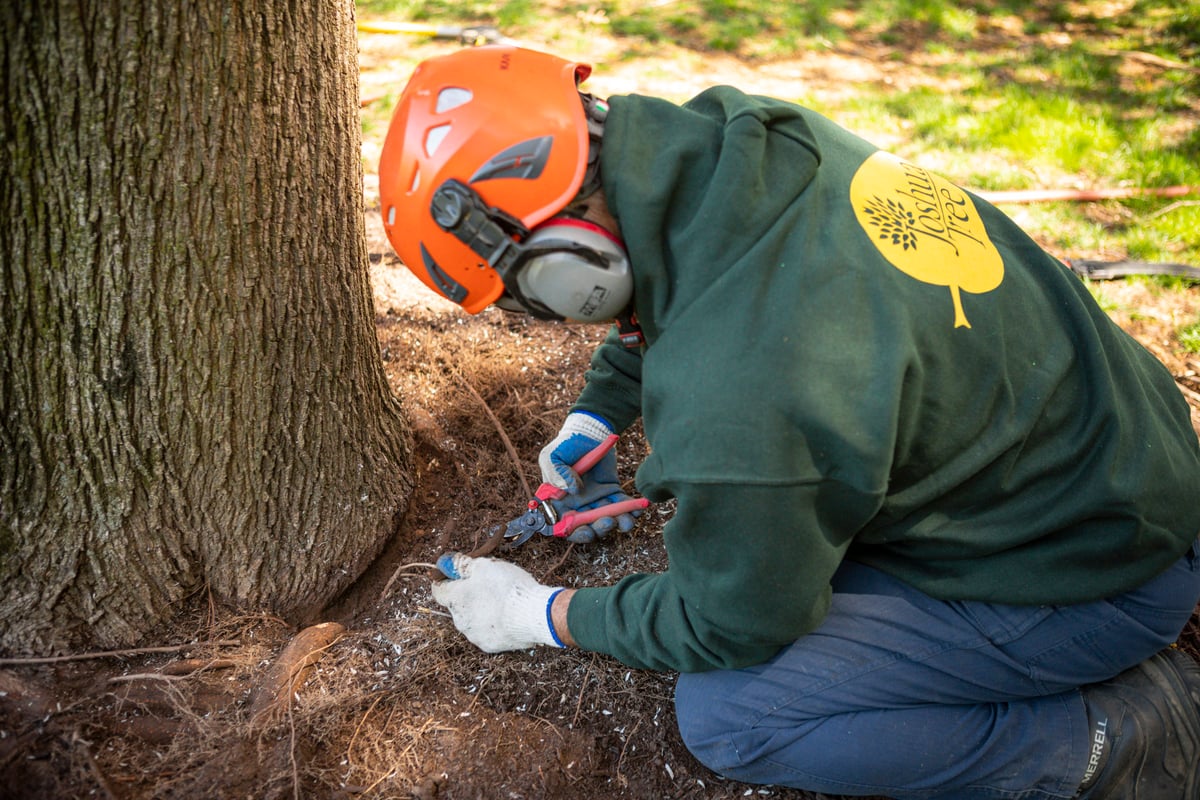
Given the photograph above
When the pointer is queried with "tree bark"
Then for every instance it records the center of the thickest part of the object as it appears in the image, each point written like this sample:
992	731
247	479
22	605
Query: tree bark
192	391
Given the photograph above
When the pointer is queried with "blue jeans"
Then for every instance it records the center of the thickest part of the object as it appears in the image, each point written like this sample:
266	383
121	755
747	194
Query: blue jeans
900	695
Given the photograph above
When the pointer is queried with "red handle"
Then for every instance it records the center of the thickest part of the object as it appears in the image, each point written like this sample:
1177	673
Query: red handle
574	519
593	456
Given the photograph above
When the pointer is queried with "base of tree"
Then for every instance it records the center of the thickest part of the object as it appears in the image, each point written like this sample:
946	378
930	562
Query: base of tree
398	704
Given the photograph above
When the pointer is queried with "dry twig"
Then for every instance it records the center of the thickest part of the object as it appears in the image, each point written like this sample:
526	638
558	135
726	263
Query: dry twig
146	676
1149	59
582	689
189	666
1173	207
403	570
177	670
554	567
136	651
508	445
357	728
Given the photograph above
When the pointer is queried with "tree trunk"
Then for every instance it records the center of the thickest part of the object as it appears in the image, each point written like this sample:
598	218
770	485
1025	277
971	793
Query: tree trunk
192	391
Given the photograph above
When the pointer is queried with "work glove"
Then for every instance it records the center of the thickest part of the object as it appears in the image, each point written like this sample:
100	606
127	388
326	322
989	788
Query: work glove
597	487
497	605
581	433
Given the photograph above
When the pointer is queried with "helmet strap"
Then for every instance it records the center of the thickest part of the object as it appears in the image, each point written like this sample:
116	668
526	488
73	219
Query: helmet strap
459	210
489	232
595	111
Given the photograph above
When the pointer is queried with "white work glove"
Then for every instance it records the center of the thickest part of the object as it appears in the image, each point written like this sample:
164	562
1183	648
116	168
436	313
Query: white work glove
581	433
497	605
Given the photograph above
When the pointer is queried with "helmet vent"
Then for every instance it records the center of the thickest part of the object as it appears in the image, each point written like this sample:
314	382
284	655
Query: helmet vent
434	138
451	98
524	160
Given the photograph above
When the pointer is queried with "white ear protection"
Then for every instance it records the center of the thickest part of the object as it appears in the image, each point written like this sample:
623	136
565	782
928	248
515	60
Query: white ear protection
575	269
565	268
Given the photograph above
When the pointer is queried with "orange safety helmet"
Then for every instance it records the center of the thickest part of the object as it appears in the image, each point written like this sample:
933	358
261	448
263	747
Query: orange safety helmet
497	130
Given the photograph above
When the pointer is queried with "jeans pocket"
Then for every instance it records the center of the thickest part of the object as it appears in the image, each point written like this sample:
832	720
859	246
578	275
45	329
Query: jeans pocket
1099	641
1000	623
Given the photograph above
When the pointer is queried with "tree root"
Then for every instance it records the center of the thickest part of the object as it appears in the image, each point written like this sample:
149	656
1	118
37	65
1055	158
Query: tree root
273	697
136	651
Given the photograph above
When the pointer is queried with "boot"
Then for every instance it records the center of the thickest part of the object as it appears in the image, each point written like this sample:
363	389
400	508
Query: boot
1145	727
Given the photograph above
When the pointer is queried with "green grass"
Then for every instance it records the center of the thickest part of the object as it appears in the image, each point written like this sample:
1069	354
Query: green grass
437	11
376	115
1045	95
1106	303
1189	337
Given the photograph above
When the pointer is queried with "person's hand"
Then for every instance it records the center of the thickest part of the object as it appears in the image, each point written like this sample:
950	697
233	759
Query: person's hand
597	487
580	434
497	605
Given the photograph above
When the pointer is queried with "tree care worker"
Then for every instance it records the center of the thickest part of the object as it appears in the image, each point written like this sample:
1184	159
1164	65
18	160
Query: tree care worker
937	515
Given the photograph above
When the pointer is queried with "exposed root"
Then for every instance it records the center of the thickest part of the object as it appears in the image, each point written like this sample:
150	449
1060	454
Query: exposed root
134	651
291	669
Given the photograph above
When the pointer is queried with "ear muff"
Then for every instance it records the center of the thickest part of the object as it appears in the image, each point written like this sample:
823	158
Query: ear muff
565	268
575	269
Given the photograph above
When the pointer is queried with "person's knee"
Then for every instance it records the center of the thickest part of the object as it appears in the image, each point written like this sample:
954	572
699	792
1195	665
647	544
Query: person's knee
704	722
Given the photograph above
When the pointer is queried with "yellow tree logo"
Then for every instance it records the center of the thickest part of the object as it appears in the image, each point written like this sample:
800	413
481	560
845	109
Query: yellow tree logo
926	227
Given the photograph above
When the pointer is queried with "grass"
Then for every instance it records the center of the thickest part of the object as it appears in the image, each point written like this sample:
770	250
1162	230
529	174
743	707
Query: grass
1045	95
1189	337
504	15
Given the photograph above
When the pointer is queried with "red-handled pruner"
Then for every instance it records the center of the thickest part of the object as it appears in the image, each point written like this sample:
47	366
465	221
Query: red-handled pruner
544	519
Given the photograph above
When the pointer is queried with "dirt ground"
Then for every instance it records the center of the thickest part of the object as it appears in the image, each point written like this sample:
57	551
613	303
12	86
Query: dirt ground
387	700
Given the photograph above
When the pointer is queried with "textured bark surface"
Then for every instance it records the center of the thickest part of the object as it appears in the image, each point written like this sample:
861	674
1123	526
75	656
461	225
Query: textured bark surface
192	392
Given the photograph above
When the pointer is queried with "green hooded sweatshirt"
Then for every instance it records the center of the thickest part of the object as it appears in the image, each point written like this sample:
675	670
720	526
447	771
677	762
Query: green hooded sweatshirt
848	357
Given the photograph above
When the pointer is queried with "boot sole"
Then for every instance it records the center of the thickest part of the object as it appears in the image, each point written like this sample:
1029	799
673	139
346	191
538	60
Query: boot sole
1174	670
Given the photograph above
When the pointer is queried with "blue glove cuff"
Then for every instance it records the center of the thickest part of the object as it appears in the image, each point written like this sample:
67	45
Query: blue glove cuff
445	563
550	620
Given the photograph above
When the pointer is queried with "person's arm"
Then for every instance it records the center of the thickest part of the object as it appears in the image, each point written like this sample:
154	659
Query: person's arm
741	585
614	384
750	570
609	403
